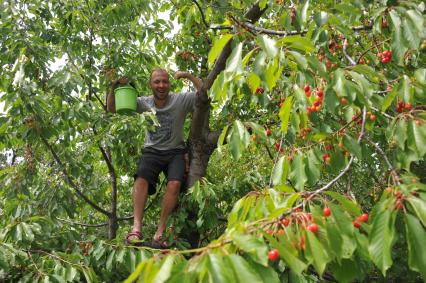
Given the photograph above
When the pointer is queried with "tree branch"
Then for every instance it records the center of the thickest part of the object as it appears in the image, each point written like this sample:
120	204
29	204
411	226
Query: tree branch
70	181
288	33
203	17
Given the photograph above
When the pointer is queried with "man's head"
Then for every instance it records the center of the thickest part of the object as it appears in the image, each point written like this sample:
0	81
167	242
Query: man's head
159	83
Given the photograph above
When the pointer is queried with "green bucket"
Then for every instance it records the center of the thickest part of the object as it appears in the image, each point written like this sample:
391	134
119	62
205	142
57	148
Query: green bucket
125	100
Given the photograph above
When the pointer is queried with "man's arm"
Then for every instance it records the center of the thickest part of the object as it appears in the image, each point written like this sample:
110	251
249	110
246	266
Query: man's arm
111	98
198	83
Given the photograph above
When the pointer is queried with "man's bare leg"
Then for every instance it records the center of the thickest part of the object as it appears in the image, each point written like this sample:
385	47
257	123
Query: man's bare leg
140	195
169	203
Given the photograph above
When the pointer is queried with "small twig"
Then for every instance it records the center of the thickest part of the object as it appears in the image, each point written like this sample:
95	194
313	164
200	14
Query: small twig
203	17
269	151
369	49
389	164
351	61
82	224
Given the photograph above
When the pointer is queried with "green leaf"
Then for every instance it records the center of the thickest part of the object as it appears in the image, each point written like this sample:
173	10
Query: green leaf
253	81
242	269
297	42
284	114
313	168
277	173
416	241
252	245
297	173
346	271
401	133
267	274
304	13
369	73
219	271
416	138
165	270
419	207
217	48
389	99
268	45
352	145
316	252
397	44
345	203
410	34
234	62
300	59
381	239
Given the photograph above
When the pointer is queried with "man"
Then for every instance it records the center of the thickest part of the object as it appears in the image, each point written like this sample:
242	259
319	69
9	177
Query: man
164	149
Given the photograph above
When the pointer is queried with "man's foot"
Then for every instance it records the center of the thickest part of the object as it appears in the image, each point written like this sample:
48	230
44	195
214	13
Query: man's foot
158	243
134	238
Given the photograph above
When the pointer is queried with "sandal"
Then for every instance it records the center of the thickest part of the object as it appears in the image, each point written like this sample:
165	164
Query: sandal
159	243
134	238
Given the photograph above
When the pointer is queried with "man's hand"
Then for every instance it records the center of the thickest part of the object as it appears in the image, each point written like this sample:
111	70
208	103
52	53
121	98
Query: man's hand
198	83
181	75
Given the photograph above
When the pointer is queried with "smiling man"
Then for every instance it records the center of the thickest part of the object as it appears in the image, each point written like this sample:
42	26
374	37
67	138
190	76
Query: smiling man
164	149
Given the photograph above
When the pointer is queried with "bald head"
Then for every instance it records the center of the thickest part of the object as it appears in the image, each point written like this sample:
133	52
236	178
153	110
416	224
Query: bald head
158	71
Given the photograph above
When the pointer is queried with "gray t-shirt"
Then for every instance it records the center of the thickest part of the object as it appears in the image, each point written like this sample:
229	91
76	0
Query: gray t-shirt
169	135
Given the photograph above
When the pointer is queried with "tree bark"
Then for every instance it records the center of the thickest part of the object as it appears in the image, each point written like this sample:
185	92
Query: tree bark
203	142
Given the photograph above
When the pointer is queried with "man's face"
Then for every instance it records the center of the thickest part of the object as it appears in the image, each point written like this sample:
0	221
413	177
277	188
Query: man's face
160	84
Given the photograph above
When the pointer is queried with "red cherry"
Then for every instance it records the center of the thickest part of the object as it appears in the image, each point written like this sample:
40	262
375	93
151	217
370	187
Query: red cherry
418	122
373	117
268	132
407	106
320	93
273	255
278	147
306	88
326	211
363	217
380	55
285	222
313	228
343	100
259	90
399	204
270	232
325	157
308	93
280	232
361	61
356	224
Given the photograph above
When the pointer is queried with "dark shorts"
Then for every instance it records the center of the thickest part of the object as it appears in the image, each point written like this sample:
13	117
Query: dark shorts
153	162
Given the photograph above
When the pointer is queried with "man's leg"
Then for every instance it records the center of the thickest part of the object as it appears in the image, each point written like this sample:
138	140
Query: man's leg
140	195
169	203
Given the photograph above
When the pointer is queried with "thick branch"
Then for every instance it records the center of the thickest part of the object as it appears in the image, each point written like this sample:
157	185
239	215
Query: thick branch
70	181
287	33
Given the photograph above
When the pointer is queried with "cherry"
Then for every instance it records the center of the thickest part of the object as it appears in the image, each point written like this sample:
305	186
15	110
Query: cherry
399	204
418	122
356	224
268	132
407	106
328	147
278	147
373	117
326	157
343	100
313	228
308	93
273	255
270	232
285	222
280	232
306	88
320	93
302	243
326	211
363	217
260	90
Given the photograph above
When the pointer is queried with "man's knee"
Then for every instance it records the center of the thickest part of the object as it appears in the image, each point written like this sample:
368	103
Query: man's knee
140	184
173	187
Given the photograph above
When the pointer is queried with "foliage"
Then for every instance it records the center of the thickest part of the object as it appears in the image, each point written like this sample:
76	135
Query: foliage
322	108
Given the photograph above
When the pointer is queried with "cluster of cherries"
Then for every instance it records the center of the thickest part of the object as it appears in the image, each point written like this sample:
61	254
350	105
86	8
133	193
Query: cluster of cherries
316	106
401	106
299	217
385	56
399	202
